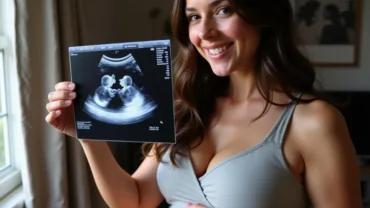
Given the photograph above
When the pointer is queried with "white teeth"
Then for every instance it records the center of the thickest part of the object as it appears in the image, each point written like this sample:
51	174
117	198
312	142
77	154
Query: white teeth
217	51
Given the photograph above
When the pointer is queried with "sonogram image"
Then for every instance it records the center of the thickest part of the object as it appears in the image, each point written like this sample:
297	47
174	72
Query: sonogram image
127	63
134	104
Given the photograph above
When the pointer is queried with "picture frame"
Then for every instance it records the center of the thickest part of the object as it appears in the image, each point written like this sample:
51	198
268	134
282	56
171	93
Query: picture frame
329	31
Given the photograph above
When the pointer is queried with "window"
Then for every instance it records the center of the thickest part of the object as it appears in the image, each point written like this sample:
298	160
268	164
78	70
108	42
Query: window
4	144
9	106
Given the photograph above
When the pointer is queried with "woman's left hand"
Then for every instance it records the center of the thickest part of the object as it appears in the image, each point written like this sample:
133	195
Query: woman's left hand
195	206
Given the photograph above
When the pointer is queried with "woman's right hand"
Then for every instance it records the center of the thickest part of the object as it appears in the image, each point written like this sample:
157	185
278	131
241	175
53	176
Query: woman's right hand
60	108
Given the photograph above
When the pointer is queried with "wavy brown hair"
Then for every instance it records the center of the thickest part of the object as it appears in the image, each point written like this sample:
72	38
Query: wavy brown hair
278	63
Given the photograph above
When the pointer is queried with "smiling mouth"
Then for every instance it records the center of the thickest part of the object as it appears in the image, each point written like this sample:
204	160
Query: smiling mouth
219	50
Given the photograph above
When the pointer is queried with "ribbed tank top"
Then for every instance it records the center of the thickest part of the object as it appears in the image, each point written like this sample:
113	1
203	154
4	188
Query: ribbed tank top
257	177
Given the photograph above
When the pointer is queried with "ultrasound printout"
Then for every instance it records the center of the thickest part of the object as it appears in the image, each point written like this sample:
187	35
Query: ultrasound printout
124	91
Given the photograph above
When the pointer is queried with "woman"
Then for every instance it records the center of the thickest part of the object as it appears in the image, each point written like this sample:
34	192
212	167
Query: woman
251	129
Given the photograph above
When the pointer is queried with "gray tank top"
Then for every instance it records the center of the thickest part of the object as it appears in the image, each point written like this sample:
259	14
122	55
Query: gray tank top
257	177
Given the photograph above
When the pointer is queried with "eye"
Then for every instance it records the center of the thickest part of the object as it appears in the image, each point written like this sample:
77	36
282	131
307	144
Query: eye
193	17
224	11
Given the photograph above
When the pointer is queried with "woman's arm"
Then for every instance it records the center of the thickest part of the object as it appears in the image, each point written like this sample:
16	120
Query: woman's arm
331	169
117	187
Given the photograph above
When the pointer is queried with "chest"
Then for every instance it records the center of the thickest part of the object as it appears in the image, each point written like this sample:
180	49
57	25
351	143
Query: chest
232	184
234	132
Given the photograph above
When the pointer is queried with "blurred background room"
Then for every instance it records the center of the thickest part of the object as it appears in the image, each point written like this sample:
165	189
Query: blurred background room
41	168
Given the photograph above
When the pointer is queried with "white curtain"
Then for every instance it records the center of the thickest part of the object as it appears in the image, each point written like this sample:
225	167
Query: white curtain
55	172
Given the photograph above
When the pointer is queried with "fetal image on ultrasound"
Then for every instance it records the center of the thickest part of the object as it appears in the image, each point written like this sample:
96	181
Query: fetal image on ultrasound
118	99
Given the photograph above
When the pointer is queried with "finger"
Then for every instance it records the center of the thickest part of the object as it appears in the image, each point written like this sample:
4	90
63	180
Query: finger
61	95
57	105
52	116
61	86
195	206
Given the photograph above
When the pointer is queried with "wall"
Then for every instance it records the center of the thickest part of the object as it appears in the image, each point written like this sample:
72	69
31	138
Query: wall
129	21
352	78
122	20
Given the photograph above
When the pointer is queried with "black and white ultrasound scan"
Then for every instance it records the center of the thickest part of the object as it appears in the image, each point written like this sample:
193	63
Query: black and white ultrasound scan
124	92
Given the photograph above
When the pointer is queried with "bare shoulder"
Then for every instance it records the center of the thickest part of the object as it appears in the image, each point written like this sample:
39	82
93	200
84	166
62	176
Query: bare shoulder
331	169
318	118
320	126
316	113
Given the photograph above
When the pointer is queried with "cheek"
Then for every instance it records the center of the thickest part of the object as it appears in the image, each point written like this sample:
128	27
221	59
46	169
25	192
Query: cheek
238	29
248	37
193	37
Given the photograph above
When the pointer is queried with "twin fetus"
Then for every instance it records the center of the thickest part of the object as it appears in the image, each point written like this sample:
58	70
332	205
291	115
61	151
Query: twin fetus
105	93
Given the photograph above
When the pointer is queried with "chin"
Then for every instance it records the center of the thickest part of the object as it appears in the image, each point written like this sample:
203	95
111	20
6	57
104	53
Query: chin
222	70
223	67
221	73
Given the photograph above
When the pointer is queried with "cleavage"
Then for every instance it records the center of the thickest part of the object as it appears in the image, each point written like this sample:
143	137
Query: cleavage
225	141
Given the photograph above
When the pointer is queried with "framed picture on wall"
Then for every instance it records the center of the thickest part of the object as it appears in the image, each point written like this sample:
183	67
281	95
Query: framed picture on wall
329	30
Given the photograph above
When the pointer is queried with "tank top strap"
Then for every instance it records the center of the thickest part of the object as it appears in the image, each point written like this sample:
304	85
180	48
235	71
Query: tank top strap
282	125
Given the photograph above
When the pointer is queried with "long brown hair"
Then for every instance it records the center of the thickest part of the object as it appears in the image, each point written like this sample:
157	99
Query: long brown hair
279	63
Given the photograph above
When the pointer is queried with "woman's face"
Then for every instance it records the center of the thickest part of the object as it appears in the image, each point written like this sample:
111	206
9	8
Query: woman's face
221	36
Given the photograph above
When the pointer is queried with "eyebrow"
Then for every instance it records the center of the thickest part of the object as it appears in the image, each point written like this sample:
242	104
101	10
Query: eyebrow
212	4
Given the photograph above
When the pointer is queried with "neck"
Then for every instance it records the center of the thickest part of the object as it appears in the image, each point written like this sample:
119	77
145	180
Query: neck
242	85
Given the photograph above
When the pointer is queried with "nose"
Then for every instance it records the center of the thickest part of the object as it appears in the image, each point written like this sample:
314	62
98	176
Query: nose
207	29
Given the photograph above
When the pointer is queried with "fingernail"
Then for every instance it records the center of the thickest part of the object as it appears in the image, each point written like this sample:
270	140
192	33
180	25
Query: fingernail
70	86
72	94
57	112
67	102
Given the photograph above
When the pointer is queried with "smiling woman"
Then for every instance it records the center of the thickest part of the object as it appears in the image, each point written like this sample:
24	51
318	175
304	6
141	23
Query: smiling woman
239	39
249	120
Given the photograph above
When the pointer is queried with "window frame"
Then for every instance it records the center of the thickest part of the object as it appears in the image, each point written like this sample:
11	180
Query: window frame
4	98
10	176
